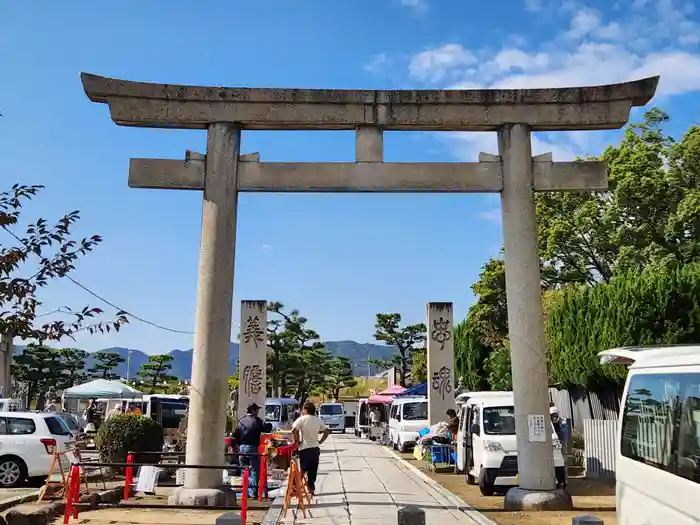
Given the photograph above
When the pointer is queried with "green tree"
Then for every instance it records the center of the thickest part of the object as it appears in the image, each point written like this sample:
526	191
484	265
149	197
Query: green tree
648	216
419	366
404	339
657	306
156	371
73	366
106	362
298	362
340	377
485	332
42	252
39	368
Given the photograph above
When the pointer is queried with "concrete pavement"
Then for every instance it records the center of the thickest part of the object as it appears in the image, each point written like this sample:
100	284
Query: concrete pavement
363	483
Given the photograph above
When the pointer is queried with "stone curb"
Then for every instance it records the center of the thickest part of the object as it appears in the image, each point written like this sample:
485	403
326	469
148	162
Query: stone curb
17	500
274	513
50	512
458	502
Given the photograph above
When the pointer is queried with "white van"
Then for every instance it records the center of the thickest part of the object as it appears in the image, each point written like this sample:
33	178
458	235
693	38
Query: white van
333	415
362	418
279	412
487	448
658	447
407	416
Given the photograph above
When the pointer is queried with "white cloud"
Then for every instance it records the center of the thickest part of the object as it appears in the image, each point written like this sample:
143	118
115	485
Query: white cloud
378	63
266	247
433	65
491	215
592	48
418	6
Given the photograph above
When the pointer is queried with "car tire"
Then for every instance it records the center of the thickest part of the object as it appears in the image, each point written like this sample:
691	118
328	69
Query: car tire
13	471
487	489
471	480
402	448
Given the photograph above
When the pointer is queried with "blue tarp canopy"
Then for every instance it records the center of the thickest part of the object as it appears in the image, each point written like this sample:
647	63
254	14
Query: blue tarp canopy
417	390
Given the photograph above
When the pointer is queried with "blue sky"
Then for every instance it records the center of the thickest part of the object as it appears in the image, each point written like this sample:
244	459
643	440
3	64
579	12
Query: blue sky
340	259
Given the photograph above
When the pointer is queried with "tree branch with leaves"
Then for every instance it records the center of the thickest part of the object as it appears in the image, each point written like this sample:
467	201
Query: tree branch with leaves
405	339
51	253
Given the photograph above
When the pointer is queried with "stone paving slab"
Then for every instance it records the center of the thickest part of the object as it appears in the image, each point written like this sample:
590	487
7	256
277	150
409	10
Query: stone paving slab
363	483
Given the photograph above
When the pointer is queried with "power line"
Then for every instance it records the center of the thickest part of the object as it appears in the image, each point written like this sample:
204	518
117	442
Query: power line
145	321
116	307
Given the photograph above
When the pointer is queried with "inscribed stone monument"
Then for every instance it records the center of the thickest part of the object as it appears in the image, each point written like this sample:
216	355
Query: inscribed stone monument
252	359
441	361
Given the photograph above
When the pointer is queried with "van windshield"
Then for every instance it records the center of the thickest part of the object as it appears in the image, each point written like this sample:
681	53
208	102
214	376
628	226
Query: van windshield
499	421
415	411
272	413
331	410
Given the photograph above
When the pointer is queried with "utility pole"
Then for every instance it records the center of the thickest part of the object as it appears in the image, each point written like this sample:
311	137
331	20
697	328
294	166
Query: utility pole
5	364
128	364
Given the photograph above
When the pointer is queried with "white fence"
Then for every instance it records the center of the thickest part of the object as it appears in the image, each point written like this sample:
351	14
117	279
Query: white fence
600	437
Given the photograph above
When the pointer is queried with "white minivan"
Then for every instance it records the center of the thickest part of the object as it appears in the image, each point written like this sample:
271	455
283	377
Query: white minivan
658	448
407	416
333	415
487	448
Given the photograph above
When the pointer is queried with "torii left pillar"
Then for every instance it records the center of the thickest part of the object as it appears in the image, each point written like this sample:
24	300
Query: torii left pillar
212	333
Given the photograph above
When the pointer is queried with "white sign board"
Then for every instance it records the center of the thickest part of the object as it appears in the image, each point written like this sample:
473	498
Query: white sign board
146	482
536	428
441	361
252	358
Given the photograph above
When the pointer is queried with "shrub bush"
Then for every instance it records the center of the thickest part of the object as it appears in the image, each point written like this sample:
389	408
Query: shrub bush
657	306
121	434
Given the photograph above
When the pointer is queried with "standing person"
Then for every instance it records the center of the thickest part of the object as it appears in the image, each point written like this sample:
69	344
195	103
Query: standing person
247	437
452	422
92	414
374	417
306	430
563	431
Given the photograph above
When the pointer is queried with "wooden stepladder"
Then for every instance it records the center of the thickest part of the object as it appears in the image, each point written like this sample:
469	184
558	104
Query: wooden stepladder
296	488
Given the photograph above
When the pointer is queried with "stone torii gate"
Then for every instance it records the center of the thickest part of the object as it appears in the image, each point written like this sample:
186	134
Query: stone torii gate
223	172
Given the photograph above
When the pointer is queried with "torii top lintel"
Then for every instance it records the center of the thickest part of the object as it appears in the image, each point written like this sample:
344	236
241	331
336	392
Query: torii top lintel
194	107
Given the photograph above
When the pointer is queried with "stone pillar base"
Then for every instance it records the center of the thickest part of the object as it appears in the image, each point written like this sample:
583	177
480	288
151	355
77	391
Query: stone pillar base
521	499
221	497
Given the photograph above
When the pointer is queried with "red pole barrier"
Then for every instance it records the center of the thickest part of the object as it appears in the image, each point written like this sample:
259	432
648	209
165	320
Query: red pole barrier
262	481
244	497
75	492
129	476
69	501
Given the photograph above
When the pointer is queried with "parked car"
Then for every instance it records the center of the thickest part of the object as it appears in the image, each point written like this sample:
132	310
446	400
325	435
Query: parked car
27	443
408	415
71	422
333	415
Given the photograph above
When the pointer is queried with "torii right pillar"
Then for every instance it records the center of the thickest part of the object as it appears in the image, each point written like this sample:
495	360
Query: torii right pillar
538	485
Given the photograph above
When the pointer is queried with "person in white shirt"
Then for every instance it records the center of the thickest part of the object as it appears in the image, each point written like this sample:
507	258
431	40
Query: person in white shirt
306	430
374	417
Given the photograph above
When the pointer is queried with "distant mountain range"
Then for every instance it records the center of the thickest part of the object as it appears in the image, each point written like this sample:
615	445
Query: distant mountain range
357	353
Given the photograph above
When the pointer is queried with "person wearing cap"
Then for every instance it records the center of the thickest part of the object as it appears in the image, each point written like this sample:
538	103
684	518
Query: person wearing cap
563	431
247	437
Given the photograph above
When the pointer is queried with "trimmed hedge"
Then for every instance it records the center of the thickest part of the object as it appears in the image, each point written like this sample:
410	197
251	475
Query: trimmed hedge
656	306
123	433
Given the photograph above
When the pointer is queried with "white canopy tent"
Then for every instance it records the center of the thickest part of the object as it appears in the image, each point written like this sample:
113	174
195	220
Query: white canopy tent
101	389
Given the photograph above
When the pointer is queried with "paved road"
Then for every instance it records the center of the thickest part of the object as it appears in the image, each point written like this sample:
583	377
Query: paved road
6	494
362	483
